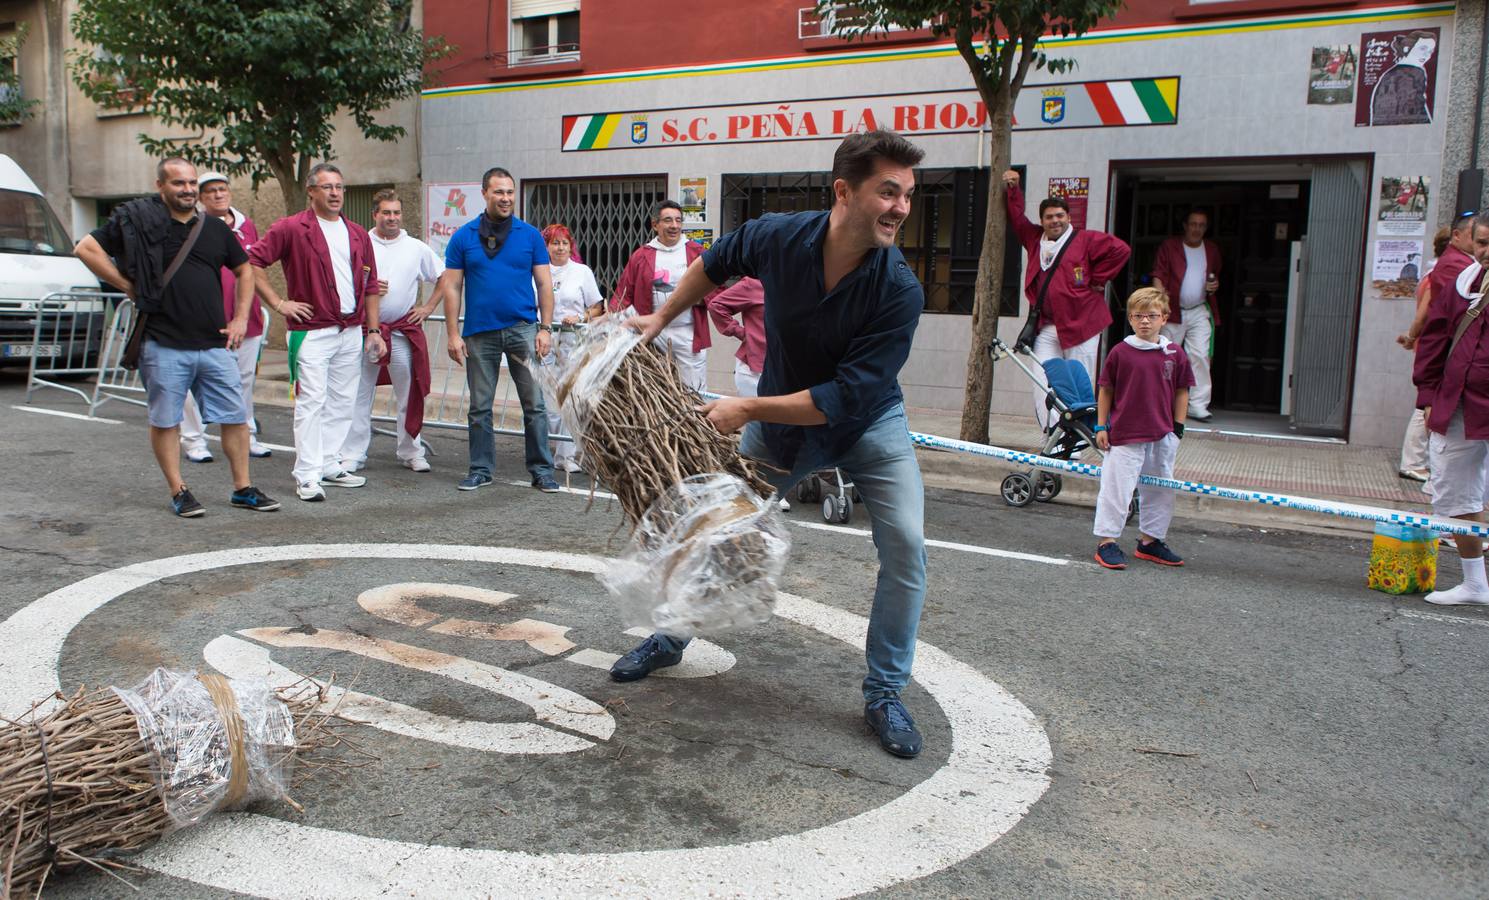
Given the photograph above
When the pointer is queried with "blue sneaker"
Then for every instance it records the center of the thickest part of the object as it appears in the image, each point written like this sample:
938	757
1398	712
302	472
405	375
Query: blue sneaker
1158	552
185	505
645	659
473	481
546	484
1111	556
891	721
255	499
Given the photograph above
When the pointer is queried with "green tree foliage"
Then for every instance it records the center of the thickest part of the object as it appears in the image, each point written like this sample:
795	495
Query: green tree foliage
15	107
257	82
999	40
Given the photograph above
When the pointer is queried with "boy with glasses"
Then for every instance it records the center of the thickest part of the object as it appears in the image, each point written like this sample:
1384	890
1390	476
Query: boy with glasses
1142	399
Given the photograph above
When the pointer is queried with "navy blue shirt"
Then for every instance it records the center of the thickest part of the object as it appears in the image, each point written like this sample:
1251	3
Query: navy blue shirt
846	347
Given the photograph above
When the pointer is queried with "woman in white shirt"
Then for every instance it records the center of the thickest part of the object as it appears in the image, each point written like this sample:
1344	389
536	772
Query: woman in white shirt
576	297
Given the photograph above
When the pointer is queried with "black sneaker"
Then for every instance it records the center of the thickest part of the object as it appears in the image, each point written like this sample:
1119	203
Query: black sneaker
891	721
186	506
1158	552
255	499
1111	556
645	659
546	484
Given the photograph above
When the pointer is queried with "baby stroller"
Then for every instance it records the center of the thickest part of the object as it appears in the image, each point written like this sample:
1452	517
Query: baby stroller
1072	402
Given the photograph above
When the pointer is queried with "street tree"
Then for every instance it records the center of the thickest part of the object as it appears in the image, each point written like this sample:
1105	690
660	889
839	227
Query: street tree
1000	42
256	83
15	106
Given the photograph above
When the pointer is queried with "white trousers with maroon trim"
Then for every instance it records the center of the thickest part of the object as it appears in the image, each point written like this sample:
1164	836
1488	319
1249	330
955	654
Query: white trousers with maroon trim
359	430
1119	474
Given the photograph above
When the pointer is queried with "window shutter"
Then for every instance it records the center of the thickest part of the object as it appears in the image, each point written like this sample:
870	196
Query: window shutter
527	9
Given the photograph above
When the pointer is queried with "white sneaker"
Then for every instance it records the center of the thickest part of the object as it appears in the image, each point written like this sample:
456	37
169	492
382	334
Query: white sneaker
199	454
344	479
785	507
1462	595
418	464
309	491
259	451
353	465
570	464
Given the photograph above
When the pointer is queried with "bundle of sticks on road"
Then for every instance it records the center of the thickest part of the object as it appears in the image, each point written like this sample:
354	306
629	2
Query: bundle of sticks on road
707	542
88	779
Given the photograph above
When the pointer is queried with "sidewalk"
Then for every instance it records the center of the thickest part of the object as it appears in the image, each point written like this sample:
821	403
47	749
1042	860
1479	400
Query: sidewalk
1323	471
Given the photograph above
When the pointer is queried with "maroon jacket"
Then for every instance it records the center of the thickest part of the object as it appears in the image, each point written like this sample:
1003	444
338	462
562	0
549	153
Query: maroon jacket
635	289
745	299
1443	383
1169	267
247	236
1076	301
296	242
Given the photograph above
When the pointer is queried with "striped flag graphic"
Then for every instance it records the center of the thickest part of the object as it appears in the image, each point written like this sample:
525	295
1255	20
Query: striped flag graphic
591	132
1146	101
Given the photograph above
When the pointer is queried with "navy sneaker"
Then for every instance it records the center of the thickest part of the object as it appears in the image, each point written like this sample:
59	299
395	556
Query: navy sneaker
255	499
546	484
645	659
473	481
186	506
891	721
1158	551
1111	556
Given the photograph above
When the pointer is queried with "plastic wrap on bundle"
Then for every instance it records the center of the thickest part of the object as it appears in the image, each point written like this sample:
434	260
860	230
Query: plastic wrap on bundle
578	383
706	557
217	743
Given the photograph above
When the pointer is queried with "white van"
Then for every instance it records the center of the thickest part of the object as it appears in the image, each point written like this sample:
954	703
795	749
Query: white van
36	259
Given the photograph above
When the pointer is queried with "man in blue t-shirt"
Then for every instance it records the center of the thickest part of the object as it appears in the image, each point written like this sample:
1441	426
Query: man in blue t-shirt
841	306
499	259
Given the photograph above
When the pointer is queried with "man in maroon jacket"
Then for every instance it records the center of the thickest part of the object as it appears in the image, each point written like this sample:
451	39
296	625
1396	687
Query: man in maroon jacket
650	277
331	276
1452	378
1077	263
1187	269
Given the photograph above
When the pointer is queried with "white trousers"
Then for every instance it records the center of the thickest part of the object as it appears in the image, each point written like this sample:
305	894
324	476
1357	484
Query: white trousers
1194	335
746	379
193	433
1414	443
1460	468
329	371
563	344
1119	474
359	432
1047	346
693	367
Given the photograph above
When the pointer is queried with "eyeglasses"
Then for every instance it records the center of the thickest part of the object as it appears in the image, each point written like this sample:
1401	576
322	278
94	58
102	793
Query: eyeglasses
332	188
1144	317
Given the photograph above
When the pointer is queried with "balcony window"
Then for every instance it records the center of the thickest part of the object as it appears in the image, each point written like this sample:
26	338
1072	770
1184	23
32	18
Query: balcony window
544	31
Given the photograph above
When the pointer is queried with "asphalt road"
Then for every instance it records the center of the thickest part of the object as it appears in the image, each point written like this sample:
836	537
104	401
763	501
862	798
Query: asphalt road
1257	723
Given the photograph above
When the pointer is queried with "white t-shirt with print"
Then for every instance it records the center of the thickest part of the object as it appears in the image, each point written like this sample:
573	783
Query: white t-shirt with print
672	262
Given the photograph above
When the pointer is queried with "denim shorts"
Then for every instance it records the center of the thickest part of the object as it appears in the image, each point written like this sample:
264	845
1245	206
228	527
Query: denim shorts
211	375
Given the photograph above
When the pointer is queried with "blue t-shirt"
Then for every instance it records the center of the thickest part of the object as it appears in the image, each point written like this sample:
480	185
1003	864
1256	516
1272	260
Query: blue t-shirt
498	291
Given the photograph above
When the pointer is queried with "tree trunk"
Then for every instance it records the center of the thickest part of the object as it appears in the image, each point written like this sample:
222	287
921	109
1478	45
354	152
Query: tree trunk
290	185
978	395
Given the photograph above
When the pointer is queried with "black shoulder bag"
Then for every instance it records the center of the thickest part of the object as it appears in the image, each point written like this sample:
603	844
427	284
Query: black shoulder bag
130	359
1030	330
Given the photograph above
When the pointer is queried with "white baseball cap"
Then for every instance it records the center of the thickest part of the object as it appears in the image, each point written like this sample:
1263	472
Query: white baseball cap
207	178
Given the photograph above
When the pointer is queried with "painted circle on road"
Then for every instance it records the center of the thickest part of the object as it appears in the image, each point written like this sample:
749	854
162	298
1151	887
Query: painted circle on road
995	772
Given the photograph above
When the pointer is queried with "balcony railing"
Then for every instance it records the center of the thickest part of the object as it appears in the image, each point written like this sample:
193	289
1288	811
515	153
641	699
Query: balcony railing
532	56
811	24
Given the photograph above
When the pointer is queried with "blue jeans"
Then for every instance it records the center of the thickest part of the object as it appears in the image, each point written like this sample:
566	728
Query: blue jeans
883	467
482	370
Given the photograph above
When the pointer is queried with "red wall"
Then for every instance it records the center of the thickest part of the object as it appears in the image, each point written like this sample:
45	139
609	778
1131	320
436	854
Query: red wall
618	35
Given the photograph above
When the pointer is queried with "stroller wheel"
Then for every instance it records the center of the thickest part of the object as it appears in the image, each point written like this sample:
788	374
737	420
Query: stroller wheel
808	489
1047	486
845	510
830	508
1018	489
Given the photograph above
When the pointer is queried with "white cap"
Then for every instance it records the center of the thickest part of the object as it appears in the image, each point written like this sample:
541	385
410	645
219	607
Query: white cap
207	178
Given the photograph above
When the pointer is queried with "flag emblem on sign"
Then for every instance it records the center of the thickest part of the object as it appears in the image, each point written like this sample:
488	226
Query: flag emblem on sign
638	130
1053	109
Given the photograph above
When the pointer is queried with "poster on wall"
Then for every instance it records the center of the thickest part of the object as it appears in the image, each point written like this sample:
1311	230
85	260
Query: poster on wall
692	193
1331	75
1396	269
703	236
1398	77
1403	206
447	206
1076	193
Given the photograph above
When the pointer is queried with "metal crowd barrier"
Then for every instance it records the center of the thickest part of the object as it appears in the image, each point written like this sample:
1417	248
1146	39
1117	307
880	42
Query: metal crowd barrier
68	331
115	382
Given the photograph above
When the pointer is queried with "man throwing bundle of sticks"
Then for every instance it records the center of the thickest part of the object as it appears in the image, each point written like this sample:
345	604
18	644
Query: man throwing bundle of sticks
840	313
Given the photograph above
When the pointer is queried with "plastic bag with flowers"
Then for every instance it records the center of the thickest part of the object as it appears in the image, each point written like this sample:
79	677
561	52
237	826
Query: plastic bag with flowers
1403	559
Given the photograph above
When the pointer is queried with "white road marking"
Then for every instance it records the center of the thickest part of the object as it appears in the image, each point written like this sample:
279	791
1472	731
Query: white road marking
583	492
945	545
1444	619
996	769
67	415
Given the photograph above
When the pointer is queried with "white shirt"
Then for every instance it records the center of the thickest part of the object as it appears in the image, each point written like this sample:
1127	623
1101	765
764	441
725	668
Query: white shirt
574	290
1192	291
1049	249
340	242
672	262
1468	284
403	263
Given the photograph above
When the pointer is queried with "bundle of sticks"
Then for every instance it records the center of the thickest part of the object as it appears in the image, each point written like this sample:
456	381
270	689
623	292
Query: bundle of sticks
84	785
639	432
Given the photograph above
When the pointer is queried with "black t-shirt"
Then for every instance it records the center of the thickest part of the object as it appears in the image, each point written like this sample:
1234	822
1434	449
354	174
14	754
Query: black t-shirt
192	313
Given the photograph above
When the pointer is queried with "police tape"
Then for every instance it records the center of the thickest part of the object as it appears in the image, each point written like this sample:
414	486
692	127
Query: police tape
1281	501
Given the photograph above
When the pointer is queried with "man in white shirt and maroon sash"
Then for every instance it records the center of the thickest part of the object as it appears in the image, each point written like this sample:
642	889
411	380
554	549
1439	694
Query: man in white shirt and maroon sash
1187	269
1452	378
